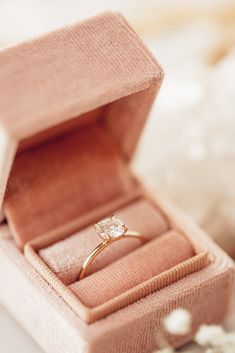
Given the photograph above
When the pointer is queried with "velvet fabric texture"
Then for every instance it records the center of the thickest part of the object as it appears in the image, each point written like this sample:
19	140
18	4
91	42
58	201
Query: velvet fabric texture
53	183
29	298
66	257
98	63
157	256
61	257
58	77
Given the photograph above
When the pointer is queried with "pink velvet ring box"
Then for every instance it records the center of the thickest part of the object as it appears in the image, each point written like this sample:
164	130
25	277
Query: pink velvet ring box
73	104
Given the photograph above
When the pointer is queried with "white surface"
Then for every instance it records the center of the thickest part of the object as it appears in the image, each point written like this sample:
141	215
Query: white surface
13	338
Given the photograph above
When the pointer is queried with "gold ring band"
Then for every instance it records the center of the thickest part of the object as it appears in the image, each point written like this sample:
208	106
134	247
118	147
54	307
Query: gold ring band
110	229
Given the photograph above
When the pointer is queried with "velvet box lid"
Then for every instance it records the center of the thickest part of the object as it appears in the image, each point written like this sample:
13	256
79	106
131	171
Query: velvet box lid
50	84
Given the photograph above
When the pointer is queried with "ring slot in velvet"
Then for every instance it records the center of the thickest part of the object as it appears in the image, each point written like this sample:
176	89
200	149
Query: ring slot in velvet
151	259
140	214
65	257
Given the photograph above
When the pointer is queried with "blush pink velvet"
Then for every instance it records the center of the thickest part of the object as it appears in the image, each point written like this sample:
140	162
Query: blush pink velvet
99	63
146	262
65	257
74	103
56	182
137	327
60	258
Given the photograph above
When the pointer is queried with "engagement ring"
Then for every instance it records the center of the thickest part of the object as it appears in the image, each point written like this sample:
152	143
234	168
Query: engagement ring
110	230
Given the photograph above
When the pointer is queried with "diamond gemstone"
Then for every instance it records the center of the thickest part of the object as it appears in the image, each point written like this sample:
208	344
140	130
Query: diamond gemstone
110	227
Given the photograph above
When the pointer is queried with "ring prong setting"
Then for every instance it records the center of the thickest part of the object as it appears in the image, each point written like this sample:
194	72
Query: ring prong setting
110	228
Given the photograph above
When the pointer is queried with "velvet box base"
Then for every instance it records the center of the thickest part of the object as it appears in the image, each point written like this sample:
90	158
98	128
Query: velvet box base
55	326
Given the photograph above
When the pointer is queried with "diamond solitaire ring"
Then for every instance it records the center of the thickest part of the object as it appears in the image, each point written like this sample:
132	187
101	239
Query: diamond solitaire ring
110	229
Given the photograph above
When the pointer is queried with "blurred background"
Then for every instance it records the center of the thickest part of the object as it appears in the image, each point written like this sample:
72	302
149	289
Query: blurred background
188	147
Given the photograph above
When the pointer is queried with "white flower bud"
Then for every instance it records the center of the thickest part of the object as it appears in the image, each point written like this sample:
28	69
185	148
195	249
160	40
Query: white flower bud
210	335
178	322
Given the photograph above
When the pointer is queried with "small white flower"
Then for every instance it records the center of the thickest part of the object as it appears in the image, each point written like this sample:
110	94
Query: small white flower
212	335
178	322
215	339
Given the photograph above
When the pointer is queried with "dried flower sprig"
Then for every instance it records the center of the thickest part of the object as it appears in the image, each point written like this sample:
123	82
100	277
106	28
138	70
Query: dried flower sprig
212	338
215	339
